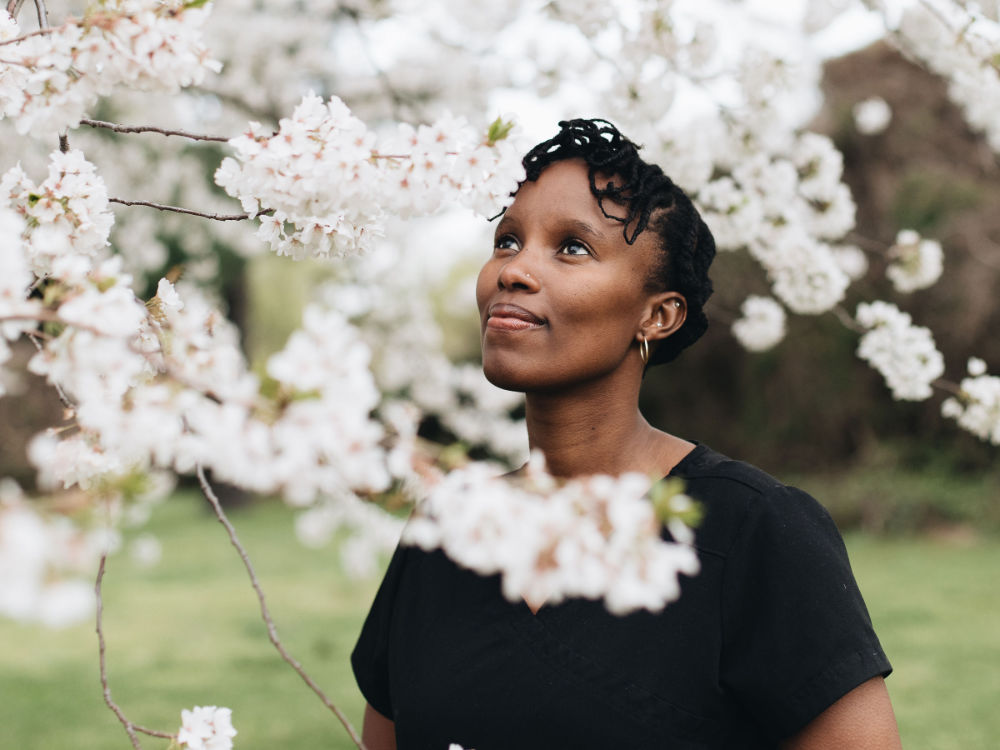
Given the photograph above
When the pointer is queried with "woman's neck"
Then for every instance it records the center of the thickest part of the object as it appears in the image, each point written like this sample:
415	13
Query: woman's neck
600	432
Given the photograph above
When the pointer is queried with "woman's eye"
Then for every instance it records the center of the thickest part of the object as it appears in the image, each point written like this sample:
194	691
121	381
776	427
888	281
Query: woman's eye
574	248
505	243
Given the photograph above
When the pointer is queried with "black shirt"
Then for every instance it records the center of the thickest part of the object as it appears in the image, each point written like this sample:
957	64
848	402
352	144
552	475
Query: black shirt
770	633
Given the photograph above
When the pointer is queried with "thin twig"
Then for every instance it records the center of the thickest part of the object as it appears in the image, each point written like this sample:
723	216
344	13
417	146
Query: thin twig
14	7
262	114
43	14
179	210
63	398
848	322
48	316
150	129
867	244
396	100
272	631
130	727
36	32
988	262
947	385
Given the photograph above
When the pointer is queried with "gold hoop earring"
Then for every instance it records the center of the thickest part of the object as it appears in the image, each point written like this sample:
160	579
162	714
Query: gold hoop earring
644	350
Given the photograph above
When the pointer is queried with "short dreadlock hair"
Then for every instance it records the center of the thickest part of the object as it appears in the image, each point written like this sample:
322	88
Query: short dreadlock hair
651	201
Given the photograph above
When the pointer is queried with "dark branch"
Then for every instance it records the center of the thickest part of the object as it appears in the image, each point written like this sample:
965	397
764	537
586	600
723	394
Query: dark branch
190	212
150	129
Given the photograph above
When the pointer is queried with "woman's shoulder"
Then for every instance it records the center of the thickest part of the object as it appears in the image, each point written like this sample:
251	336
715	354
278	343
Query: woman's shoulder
740	499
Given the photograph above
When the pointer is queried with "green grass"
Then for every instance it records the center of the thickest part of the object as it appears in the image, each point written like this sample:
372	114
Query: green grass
187	632
936	608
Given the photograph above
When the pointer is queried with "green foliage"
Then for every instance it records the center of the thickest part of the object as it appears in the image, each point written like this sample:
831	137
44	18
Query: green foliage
883	496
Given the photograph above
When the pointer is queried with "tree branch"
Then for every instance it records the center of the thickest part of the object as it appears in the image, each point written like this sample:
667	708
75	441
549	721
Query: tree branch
867	244
150	129
63	398
130	727
36	32
190	212
947	385
14	7
272	631
848	322
43	14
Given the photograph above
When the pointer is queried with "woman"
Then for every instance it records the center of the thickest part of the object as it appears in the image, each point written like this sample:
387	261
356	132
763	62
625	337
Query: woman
599	269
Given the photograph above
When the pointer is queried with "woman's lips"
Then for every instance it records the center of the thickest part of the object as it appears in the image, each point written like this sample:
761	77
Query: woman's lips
506	317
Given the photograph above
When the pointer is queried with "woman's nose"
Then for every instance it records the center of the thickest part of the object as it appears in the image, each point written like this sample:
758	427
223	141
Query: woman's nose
516	273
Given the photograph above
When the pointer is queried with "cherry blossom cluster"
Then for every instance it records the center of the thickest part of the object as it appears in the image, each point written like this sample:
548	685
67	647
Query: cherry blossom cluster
49	81
786	210
916	263
206	728
762	324
961	45
904	353
595	537
323	185
164	385
65	215
976	407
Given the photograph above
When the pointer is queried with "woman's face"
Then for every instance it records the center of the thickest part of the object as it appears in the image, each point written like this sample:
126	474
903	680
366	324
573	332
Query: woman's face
563	295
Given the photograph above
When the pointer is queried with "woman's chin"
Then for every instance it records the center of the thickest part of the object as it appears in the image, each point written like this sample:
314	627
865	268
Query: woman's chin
504	378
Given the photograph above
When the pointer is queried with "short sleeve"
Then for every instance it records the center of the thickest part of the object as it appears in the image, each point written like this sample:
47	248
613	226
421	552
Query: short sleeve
370	658
796	632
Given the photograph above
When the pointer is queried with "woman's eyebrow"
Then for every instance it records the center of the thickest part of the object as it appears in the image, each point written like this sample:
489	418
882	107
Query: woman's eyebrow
581	227
506	222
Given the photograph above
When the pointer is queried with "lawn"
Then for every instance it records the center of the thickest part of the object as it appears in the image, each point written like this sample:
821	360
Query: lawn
187	632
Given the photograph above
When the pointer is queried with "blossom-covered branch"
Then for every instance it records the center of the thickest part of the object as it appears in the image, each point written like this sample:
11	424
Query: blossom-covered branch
144	44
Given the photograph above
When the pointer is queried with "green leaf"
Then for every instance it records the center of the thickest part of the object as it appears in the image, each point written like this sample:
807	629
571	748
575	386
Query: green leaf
194	3
669	502
498	131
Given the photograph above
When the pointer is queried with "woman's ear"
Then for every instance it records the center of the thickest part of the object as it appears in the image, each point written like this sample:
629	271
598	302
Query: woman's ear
667	312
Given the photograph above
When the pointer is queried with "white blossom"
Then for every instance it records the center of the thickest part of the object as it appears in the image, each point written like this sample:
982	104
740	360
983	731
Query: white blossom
67	213
762	324
905	354
916	263
872	116
851	259
976	408
206	728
